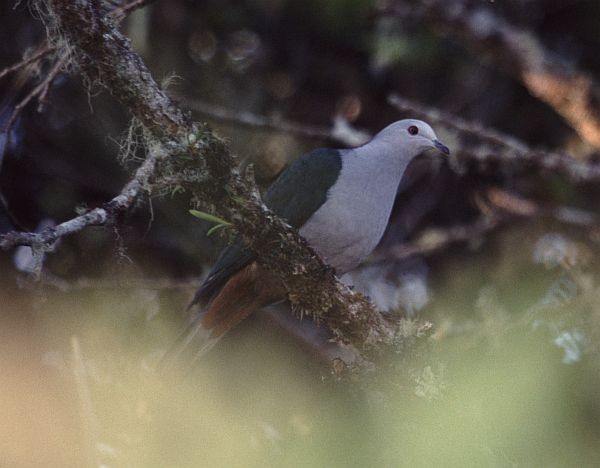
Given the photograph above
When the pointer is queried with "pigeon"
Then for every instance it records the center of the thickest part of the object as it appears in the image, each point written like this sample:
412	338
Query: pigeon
339	200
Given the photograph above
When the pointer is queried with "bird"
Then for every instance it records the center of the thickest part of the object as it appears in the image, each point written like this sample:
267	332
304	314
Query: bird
339	200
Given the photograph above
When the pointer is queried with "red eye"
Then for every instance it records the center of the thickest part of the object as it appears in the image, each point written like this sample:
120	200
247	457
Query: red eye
413	129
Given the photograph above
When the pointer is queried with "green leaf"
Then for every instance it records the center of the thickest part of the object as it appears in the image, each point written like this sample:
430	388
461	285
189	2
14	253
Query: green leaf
208	217
214	229
176	190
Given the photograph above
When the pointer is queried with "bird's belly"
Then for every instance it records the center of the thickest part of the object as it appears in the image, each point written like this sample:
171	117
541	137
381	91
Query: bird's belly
345	236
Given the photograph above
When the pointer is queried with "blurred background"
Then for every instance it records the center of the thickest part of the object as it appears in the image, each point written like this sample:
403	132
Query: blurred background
490	264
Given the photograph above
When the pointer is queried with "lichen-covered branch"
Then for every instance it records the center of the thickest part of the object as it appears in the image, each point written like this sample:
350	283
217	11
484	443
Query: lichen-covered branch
199	162
570	91
104	55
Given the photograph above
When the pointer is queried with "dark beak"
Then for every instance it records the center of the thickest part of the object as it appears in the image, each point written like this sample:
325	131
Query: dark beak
444	149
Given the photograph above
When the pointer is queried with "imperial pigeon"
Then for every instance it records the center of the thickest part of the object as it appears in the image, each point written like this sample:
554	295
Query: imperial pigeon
340	201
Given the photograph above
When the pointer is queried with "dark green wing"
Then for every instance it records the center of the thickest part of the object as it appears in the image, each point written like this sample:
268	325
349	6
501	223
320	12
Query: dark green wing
298	192
303	187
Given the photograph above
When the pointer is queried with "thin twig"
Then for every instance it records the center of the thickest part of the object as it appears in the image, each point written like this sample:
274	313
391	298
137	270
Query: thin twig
58	66
40	92
456	123
40	54
495	145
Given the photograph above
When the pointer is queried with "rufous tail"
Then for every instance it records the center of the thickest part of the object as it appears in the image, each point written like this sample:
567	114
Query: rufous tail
246	291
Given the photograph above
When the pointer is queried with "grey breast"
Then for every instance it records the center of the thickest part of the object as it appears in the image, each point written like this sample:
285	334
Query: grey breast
350	224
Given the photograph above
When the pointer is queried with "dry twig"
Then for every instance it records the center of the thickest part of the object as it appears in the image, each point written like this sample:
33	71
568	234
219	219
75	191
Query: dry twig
518	205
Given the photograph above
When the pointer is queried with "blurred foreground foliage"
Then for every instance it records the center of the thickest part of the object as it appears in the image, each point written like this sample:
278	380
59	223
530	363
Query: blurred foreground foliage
493	379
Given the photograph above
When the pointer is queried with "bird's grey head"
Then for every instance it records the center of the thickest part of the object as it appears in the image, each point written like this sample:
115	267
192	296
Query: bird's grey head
413	136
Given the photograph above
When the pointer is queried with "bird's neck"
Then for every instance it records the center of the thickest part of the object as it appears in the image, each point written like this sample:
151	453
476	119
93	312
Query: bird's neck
379	162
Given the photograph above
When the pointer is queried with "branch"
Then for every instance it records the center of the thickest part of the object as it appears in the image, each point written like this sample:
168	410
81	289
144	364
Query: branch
341	132
518	205
497	146
45	241
40	91
105	55
571	92
498	207
492	144
209	173
434	240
